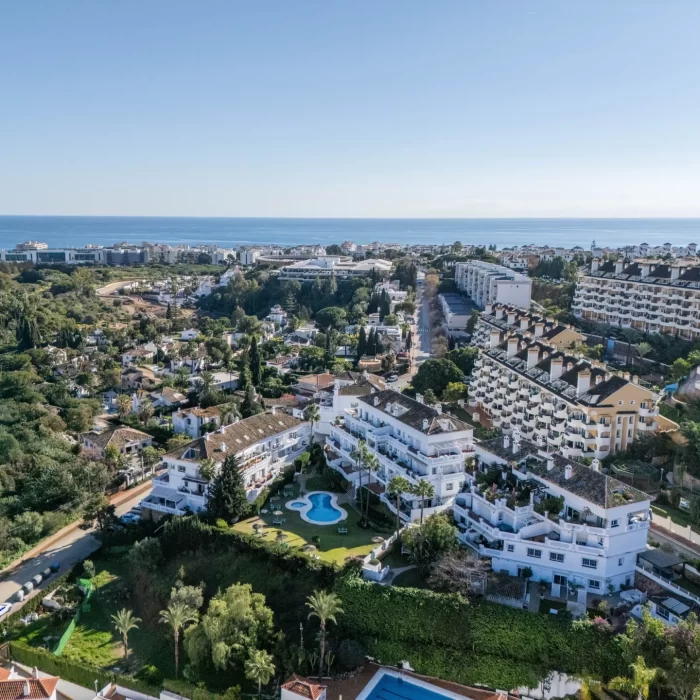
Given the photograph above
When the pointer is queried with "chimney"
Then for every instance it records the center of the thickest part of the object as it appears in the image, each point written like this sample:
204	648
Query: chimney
35	672
511	318
524	322
550	463
506	442
532	356
419	398
494	338
627	376
555	368
438	408
516	446
27	689
595	465
618	266
584	381
568	471
594	264
675	273
426	423
512	347
223	447
598	378
644	270
488	308
539	329
376	401
499	313
635	379
273	409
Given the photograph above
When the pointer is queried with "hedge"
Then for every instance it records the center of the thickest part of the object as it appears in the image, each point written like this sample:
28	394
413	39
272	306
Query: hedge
433	626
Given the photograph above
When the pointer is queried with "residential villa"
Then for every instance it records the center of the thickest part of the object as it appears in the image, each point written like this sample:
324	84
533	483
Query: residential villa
569	524
567	402
190	421
407	438
128	441
137	356
263	445
21	686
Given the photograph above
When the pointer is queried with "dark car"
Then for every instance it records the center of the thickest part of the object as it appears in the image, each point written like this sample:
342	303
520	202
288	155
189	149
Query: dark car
56	566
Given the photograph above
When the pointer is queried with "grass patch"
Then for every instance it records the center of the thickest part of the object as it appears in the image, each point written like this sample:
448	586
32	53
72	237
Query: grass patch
334	547
410	579
689	585
546	605
395	559
678	516
321	482
45	632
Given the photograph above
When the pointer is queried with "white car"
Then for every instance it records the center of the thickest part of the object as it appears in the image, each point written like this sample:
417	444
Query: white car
5	609
393	378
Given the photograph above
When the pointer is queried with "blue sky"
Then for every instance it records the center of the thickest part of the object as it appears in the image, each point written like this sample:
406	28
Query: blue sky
364	108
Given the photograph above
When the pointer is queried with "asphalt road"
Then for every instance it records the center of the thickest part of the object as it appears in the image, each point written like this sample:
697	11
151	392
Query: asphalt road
72	548
421	343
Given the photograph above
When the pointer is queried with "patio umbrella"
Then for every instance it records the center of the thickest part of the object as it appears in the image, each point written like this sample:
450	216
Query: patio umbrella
377	540
277	512
308	548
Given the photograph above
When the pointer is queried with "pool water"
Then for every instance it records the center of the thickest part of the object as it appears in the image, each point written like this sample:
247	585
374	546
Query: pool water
391	688
321	510
297	504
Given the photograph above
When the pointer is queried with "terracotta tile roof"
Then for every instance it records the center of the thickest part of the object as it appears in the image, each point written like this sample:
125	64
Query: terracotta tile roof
119	437
319	380
4	674
304	687
38	688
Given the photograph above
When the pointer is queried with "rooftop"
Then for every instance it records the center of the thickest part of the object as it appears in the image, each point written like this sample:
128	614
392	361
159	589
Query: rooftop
118	436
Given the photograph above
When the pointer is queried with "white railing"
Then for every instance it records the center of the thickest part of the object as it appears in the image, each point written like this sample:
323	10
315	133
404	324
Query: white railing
667	584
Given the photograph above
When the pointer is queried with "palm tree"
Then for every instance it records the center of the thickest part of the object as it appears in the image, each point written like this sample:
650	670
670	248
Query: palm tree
630	336
230	366
325	606
124	621
642	678
124	405
643	349
359	454
207	469
259	668
146	412
424	490
230	413
177	616
589	688
206	381
396	487
313	415
371	465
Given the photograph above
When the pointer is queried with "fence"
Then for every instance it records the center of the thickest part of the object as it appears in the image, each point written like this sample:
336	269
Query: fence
84	607
685	531
667	584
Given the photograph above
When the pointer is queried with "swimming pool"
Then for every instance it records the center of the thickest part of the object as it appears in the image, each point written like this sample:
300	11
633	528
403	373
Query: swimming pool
318	507
390	685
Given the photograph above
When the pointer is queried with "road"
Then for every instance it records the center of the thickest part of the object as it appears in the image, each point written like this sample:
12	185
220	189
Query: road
73	547
112	288
421	342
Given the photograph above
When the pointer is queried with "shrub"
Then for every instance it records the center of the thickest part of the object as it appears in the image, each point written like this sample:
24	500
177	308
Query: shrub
151	675
88	569
351	654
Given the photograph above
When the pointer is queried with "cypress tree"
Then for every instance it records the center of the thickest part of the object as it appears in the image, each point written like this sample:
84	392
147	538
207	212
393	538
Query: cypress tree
227	496
361	343
255	363
371	343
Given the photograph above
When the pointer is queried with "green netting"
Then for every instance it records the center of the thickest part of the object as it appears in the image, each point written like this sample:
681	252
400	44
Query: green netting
84	607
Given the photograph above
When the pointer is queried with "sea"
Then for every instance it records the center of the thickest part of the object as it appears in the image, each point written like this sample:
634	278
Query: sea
76	231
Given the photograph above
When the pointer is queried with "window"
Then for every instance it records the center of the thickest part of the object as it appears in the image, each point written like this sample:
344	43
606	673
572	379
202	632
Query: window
594	584
560	580
619	403
589	563
620	561
535	553
449	487
556	556
434	470
181	469
510	548
632	402
614	523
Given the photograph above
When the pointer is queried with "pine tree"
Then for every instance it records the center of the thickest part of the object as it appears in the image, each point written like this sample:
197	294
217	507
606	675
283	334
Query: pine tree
249	406
361	343
227	496
169	313
409	340
371	343
255	364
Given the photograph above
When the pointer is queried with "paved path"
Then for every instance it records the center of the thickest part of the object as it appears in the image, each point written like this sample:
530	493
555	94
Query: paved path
680	544
421	343
112	288
68	546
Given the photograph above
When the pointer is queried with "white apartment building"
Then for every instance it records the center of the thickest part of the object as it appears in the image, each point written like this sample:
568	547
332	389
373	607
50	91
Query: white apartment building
456	309
189	421
568	523
561	401
488	283
76	256
506	319
650	296
248	256
409	439
263	445
340	266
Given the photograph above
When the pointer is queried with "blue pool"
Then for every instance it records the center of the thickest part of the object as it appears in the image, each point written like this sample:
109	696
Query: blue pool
296	505
392	688
322	511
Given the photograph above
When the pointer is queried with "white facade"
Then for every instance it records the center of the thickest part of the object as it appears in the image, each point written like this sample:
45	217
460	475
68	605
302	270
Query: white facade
591	542
263	445
408	439
341	267
487	283
189	421
649	296
248	257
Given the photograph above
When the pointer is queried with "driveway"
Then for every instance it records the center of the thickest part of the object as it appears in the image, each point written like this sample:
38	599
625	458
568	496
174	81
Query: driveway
69	549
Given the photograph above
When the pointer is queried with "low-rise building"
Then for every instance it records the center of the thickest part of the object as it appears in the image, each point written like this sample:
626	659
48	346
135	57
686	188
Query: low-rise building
263	445
137	356
189	421
488	283
457	311
27	686
127	441
408	439
339	266
568	524
277	315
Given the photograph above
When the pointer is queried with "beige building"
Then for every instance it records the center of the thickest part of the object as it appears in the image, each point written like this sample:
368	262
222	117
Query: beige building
651	296
561	401
497	321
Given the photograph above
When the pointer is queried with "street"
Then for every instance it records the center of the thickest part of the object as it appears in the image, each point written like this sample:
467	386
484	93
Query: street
73	547
421	341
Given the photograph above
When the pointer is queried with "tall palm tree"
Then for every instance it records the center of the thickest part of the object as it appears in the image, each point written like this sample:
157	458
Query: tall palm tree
313	415
230	413
177	616
124	621
123	405
230	366
424	490
325	606
589	688
643	349
259	667
371	465
639	684
146	412
359	454
396	487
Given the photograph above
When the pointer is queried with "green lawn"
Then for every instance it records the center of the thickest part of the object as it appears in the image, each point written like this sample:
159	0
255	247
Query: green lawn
320	482
95	641
410	579
334	547
395	559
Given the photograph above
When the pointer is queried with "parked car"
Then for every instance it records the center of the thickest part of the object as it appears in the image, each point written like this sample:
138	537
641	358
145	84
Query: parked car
37	580
46	573
19	596
130	518
28	587
5	609
56	566
393	378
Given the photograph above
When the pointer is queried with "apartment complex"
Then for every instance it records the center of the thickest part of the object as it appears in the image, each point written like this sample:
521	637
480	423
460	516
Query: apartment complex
569	524
561	401
650	296
407	438
262	444
498	321
75	256
488	283
338	266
